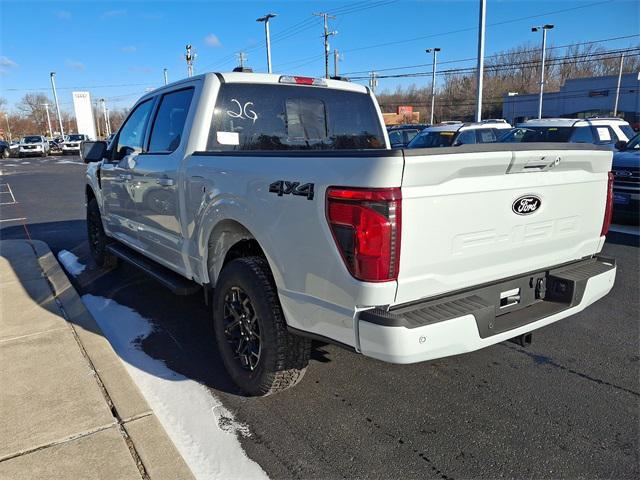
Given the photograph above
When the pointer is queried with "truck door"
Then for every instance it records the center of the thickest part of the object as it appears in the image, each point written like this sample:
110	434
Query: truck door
117	179
156	179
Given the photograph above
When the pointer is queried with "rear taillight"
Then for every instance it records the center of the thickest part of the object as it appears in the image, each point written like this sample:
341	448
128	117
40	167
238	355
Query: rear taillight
608	209
366	225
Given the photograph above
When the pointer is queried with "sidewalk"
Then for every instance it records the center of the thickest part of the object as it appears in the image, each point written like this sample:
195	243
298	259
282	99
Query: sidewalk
68	408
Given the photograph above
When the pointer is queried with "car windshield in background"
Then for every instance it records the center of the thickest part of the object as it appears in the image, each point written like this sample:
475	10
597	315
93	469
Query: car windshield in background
288	117
628	131
76	138
432	139
538	134
31	140
634	142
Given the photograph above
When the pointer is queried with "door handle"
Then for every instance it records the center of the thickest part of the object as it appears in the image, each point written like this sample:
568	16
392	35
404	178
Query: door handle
165	182
125	176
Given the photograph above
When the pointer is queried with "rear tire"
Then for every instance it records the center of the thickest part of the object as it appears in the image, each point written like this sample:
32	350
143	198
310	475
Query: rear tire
258	352
98	240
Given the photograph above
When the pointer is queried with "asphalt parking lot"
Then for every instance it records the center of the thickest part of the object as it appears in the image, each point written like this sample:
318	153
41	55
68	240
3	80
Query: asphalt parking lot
568	406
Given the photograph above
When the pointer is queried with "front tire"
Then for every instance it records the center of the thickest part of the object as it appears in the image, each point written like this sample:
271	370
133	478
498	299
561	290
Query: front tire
98	240
258	352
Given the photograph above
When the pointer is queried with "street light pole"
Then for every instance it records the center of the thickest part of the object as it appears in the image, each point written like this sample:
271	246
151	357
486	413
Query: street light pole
6	117
166	76
544	29
55	98
336	59
326	36
107	124
615	105
266	19
433	79
480	68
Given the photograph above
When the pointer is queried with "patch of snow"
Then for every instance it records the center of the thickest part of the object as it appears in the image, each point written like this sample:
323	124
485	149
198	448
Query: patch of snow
202	429
65	161
10	164
25	163
70	263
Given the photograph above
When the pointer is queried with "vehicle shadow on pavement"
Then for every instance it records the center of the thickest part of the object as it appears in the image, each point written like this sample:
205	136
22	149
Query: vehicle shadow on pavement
182	334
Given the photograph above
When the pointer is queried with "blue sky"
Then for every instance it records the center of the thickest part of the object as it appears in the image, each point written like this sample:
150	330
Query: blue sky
118	49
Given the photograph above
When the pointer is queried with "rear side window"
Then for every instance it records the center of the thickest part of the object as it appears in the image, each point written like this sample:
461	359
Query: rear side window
486	135
292	117
582	135
466	137
168	125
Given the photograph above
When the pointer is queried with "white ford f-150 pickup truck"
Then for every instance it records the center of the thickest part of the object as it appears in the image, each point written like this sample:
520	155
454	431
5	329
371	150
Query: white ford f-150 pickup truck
281	197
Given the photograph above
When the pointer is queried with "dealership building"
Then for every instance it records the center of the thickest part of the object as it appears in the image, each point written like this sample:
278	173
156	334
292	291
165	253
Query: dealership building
579	98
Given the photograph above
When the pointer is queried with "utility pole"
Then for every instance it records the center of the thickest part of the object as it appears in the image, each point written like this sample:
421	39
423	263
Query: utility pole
242	57
189	57
55	98
326	36
107	123
480	68
336	58
97	119
615	105
266	19
46	107
433	79
373	81
544	29
166	76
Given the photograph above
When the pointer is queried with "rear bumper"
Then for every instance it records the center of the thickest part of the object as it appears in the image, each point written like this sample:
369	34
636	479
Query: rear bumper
474	319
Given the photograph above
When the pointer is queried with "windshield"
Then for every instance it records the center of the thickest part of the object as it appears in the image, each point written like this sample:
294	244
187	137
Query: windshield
432	139
31	140
76	138
628	131
538	134
288	117
634	143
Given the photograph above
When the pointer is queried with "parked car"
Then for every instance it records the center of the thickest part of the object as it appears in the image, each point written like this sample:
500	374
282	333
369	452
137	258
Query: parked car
453	134
281	198
626	183
598	131
71	146
5	149
33	145
401	135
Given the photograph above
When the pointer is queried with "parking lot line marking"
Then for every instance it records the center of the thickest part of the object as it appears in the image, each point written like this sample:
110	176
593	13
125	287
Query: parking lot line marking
8	191
13	219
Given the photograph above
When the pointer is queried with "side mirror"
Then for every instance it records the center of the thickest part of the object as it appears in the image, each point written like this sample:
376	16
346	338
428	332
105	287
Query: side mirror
621	145
93	151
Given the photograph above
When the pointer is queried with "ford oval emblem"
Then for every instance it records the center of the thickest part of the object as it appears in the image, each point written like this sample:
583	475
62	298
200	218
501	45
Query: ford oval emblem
526	205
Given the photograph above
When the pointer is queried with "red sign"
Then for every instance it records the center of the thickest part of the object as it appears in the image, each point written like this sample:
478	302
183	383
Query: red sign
405	109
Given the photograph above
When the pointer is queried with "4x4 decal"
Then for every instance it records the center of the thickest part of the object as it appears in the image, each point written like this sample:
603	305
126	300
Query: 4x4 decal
284	187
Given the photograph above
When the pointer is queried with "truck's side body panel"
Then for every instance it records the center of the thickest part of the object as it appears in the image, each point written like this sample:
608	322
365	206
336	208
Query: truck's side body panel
316	290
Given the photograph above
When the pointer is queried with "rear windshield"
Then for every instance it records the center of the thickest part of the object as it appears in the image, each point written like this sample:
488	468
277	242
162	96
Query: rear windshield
432	139
291	117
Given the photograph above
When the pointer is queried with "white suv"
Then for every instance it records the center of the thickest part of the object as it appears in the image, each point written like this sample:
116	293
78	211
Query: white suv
453	134
33	145
599	131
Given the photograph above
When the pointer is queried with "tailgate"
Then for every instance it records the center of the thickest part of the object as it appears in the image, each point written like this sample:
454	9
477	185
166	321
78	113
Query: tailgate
476	214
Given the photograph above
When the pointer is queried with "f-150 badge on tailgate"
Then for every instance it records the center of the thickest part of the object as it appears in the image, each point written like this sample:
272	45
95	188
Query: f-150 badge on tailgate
526	205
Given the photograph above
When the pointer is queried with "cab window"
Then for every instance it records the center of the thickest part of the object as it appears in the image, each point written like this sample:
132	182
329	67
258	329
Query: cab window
131	136
486	135
168	125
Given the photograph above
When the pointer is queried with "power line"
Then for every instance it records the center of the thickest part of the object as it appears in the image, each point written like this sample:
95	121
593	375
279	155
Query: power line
510	66
461	60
